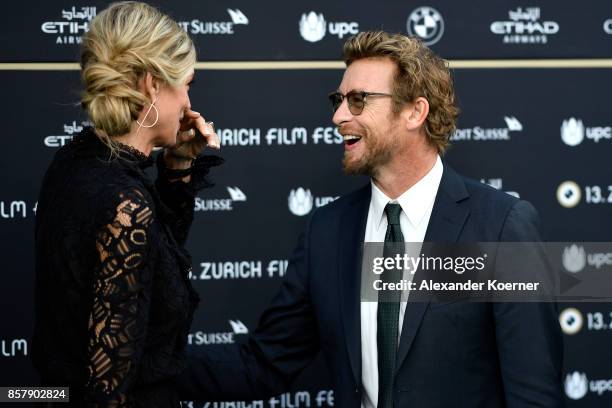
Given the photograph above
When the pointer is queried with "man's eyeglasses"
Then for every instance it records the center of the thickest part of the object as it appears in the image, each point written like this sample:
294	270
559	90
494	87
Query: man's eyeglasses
356	100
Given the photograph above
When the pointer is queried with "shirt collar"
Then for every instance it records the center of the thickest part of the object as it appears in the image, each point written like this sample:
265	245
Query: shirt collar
415	201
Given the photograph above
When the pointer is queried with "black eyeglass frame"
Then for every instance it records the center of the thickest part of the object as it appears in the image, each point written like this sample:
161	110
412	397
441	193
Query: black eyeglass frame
355	110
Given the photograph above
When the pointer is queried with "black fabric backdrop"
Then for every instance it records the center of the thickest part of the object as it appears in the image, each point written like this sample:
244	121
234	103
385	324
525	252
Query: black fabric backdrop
281	151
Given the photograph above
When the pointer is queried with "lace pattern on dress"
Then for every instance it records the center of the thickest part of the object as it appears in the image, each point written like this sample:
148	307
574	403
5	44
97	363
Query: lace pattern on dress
117	323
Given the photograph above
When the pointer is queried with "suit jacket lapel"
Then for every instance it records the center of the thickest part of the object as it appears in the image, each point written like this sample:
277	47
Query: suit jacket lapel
445	224
351	236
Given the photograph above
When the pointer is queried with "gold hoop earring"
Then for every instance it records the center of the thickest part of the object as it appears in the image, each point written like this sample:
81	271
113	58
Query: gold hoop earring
147	114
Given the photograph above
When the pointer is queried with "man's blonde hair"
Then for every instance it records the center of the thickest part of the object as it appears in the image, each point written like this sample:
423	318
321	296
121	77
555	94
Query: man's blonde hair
420	73
124	42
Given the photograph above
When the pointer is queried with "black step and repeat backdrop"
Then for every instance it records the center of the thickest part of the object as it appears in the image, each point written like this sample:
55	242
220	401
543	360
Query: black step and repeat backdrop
544	134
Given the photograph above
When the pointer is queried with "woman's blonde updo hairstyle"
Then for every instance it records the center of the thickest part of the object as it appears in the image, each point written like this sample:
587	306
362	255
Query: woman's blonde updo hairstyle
124	42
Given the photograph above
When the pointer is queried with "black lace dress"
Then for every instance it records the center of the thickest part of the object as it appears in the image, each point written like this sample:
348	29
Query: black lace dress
114	302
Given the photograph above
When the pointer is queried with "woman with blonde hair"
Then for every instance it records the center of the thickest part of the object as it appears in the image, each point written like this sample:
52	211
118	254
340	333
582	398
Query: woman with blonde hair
114	301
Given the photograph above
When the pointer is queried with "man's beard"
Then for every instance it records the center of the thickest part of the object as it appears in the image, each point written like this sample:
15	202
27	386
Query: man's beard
376	153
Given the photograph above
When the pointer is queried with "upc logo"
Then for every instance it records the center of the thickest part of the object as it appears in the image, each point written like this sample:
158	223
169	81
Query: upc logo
312	26
572	131
300	201
576	385
574	258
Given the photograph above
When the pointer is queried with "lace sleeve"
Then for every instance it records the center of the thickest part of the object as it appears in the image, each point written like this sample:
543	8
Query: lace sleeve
118	318
179	197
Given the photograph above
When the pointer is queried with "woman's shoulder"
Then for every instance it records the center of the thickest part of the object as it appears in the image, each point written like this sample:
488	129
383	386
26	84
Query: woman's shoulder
84	176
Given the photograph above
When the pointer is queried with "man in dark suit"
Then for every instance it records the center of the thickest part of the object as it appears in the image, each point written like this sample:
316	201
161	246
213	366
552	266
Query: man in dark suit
395	109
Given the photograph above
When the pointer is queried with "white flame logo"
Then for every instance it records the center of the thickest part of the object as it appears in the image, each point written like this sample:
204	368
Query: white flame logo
300	201
312	26
576	385
572	131
574	258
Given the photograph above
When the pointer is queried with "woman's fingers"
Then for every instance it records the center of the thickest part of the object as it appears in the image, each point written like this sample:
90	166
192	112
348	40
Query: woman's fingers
194	120
187	122
208	132
191	114
186	135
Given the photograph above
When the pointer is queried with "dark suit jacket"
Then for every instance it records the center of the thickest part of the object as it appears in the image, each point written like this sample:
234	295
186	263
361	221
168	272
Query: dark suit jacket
453	354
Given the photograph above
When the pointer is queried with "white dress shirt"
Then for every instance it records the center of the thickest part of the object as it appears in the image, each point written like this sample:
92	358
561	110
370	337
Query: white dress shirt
417	204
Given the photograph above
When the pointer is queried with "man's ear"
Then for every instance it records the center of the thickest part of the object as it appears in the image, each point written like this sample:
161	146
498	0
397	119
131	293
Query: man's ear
150	86
415	113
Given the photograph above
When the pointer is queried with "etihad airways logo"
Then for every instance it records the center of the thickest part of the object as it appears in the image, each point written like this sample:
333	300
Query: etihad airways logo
219	27
73	25
524	27
69	131
313	27
478	133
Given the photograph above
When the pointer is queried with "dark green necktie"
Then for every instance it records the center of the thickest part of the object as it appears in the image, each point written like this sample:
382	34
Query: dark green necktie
388	310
